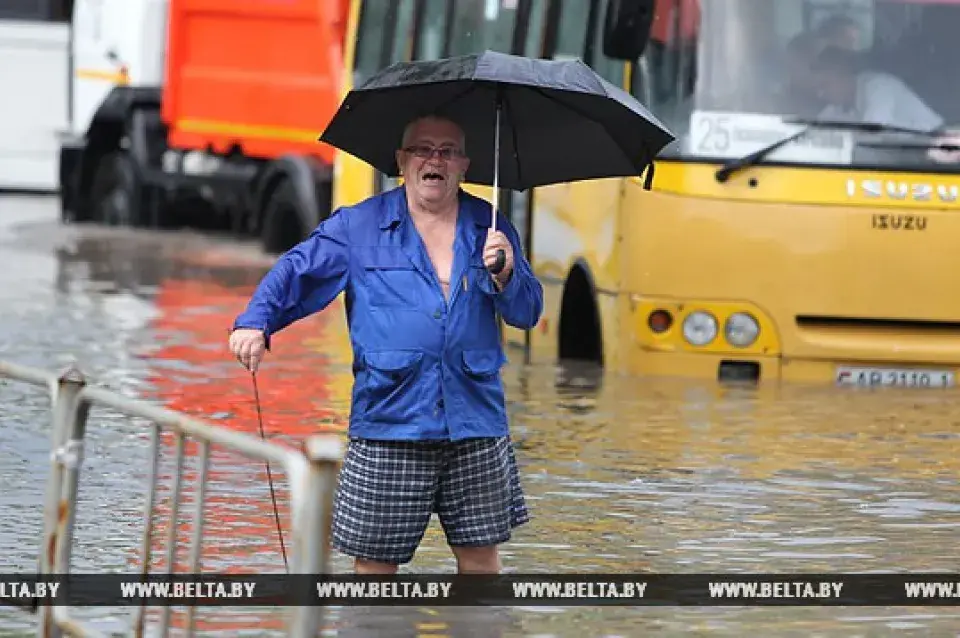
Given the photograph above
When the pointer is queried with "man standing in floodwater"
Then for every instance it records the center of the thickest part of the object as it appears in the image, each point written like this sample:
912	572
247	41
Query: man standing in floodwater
428	425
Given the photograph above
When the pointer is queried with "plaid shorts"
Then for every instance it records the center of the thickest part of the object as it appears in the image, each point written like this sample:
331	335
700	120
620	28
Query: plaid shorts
388	491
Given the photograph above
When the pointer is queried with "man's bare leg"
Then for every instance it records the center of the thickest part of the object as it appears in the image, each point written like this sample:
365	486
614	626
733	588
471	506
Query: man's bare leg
477	560
364	566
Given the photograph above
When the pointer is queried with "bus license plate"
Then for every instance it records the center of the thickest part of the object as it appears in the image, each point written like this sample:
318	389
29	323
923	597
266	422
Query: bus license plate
873	377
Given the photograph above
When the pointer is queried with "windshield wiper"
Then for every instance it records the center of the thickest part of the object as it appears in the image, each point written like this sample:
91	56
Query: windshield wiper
724	172
923	146
866	127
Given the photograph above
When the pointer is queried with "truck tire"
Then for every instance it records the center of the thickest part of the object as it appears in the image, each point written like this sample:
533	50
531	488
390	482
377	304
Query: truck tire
116	193
283	227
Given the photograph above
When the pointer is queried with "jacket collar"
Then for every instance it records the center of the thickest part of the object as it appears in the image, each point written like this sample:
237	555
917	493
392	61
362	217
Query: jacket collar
473	218
391	204
474	210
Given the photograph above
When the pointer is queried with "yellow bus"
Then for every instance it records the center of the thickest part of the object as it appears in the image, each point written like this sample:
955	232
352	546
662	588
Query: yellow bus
784	238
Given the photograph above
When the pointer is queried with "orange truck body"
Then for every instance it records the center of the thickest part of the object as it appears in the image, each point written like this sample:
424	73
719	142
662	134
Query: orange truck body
261	74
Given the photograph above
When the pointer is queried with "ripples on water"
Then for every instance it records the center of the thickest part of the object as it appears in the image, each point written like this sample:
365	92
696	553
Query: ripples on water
624	475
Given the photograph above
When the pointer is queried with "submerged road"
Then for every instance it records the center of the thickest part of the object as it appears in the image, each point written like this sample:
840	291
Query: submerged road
622	474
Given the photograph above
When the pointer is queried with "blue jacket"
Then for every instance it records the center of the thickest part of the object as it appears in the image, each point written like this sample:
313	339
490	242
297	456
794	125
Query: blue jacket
424	368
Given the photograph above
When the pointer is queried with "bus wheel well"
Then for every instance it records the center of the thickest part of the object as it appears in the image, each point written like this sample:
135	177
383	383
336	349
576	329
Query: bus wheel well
580	330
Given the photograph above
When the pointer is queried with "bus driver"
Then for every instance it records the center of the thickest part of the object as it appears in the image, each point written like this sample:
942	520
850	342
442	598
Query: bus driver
853	93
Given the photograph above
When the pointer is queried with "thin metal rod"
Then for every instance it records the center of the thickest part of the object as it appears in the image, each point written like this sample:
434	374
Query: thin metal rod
196	543
146	542
172	547
273	496
496	169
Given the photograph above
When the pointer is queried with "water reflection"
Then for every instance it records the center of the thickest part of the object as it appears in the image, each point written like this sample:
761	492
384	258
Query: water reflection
622	474
419	622
116	260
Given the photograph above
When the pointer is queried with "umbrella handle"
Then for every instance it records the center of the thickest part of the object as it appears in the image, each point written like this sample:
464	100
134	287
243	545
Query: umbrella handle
501	261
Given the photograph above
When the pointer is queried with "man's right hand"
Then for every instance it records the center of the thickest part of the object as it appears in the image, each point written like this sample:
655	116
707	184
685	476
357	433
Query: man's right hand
248	346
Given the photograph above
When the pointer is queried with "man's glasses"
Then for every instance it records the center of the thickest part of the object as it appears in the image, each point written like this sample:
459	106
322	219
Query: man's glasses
426	152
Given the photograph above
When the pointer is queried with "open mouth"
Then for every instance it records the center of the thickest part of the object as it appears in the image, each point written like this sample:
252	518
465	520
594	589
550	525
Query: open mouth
432	178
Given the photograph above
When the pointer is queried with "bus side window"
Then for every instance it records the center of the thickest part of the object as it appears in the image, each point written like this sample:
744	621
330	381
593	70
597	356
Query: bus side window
664	78
535	38
610	70
403	35
482	24
371	37
671	52
431	29
571	39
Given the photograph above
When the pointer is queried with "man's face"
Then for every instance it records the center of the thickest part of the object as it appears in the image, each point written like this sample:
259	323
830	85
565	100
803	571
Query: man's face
432	162
846	38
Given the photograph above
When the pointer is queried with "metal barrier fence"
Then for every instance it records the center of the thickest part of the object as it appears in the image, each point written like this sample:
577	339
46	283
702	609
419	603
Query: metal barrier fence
311	472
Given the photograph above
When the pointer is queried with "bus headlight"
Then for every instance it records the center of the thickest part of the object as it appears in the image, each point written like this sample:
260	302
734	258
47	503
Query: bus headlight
741	329
699	328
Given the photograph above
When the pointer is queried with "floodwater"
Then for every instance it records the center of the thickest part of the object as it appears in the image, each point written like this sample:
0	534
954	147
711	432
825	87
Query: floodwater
627	475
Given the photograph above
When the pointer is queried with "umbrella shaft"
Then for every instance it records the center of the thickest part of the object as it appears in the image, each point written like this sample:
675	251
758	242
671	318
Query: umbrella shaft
496	168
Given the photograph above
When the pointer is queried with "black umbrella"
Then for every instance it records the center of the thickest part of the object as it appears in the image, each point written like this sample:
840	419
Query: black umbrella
556	121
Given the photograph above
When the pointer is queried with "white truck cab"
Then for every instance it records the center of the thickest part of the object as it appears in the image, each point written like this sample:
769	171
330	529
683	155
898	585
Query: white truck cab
118	50
115	43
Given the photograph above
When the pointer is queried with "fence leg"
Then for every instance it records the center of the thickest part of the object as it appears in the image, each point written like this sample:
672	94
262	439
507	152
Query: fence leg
312	520
70	457
69	384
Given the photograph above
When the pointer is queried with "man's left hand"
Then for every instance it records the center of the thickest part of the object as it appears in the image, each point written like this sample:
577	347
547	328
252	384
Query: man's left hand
496	240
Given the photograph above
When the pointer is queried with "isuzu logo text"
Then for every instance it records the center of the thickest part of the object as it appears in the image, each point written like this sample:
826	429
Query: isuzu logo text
903	191
899	222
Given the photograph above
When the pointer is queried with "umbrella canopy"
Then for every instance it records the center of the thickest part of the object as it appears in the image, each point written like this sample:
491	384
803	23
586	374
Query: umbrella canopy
558	120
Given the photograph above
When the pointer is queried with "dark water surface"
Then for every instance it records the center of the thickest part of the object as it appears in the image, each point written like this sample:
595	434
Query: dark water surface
627	475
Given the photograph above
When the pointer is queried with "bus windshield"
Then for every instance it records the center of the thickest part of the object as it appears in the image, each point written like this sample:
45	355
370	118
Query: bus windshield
728	76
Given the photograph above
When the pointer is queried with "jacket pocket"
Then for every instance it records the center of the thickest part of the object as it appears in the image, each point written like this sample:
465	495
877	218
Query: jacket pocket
484	363
391	385
390	279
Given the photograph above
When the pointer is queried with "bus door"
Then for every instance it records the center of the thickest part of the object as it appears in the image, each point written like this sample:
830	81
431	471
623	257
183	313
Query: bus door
574	239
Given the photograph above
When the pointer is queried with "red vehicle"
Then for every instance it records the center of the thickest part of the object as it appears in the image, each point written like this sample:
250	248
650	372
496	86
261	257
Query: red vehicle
218	121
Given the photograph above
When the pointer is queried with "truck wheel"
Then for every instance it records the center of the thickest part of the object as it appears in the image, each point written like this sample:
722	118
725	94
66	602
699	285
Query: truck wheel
282	227
116	195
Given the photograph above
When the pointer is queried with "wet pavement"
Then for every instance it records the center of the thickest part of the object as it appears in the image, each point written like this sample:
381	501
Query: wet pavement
623	475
